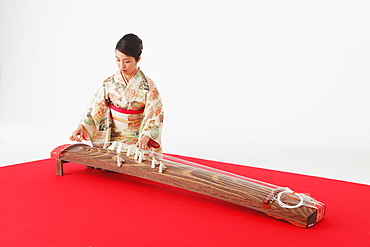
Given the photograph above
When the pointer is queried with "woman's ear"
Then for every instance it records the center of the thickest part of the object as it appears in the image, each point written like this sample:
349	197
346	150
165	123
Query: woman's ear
138	59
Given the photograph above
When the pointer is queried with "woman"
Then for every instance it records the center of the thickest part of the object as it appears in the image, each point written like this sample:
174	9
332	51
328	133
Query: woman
127	107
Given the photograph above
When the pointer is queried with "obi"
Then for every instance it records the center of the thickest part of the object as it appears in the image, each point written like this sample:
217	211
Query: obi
126	119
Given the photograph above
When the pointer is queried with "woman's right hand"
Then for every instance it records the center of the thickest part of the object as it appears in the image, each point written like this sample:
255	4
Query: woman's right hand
79	134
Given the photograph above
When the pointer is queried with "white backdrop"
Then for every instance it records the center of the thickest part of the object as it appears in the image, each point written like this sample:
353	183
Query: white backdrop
273	84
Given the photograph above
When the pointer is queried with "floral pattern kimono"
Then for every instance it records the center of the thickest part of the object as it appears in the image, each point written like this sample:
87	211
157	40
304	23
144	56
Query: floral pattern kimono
120	112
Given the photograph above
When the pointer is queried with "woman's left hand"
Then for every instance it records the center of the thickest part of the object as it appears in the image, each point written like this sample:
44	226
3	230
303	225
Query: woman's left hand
143	143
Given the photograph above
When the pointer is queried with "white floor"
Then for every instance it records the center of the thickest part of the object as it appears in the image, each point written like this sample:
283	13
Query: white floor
351	164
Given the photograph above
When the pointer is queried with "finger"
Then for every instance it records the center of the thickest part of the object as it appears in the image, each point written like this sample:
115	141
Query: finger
73	137
142	146
86	136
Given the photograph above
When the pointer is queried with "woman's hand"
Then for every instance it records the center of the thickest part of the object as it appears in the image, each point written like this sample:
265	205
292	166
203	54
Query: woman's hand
79	134
146	143
143	143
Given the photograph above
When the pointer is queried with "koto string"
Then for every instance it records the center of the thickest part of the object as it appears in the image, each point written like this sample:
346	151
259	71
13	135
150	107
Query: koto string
218	178
258	190
203	171
111	154
224	179
252	186
195	171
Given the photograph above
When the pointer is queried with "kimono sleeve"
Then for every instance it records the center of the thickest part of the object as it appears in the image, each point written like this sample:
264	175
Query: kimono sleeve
152	123
97	120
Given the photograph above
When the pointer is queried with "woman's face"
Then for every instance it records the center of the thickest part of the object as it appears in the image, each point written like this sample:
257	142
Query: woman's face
126	64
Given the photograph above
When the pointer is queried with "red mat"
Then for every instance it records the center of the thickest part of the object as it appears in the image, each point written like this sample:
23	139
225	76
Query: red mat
94	208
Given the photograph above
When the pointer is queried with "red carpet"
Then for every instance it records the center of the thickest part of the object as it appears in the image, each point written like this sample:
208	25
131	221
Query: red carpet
94	208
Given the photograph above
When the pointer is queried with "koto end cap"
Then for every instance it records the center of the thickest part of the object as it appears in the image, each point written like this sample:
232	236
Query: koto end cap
55	153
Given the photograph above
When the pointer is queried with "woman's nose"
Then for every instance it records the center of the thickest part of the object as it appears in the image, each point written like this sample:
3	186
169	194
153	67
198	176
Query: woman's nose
121	65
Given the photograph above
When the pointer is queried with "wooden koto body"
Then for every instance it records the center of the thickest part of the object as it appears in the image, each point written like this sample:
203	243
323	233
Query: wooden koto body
279	202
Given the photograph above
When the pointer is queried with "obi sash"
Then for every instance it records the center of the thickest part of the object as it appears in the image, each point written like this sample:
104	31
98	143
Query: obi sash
126	120
124	111
123	115
129	120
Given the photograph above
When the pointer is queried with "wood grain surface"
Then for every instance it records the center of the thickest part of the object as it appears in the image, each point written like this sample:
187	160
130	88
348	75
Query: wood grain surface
225	187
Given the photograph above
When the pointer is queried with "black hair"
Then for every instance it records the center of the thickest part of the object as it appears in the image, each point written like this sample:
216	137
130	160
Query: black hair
130	45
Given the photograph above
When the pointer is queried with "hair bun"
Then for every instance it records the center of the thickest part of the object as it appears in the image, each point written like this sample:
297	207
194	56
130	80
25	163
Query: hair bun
130	45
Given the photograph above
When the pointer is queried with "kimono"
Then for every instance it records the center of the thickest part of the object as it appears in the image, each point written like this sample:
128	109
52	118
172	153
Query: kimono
123	113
